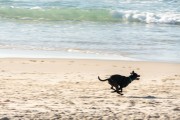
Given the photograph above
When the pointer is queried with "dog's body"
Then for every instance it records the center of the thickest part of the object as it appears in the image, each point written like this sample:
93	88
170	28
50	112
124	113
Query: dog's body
119	82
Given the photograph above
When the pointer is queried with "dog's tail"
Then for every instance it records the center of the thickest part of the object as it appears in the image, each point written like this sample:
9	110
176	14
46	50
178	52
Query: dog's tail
101	79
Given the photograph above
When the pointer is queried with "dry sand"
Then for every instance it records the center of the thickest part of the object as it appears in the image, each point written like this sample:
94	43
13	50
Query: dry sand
69	89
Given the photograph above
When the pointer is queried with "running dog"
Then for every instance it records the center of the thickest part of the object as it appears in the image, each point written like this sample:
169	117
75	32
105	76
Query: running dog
119	81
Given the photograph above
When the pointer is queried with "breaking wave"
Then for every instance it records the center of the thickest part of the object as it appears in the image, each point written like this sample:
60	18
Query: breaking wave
148	17
95	15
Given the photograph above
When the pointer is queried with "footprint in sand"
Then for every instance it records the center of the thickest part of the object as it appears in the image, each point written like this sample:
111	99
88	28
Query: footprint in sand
115	66
154	116
137	68
4	118
171	78
71	61
66	77
177	109
132	103
32	60
177	76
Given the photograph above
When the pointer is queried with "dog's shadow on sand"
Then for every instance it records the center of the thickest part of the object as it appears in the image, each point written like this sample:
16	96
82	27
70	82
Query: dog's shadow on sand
148	97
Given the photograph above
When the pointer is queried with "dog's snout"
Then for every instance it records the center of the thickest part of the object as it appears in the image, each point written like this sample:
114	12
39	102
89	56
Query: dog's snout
138	77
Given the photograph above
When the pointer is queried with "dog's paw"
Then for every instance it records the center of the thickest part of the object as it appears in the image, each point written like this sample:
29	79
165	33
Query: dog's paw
120	93
113	91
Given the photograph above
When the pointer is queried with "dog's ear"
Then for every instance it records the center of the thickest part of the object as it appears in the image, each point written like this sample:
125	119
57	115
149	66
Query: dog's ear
132	72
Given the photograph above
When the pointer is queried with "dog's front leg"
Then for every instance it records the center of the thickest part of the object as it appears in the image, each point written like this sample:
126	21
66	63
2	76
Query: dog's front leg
121	90
117	89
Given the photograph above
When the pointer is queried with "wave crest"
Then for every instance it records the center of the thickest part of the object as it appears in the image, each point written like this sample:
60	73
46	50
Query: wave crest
95	15
147	17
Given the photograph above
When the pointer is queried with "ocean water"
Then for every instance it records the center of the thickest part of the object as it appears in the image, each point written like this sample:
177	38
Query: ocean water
147	30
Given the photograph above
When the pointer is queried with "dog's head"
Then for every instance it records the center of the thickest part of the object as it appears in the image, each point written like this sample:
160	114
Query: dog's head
134	75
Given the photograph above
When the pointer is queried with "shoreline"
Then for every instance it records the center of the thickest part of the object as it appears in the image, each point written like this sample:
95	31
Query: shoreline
93	59
69	89
40	54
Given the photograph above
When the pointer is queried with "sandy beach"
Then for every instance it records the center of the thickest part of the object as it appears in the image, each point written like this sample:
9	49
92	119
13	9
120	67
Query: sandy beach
69	89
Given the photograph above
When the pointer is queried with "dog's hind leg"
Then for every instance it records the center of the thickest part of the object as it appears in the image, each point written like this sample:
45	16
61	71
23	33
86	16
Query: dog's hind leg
117	89
114	90
112	87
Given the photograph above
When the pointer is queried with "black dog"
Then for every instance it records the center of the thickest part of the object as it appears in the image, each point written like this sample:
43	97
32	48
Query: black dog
119	82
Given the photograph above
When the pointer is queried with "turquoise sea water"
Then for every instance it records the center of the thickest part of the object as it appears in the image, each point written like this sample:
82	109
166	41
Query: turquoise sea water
94	29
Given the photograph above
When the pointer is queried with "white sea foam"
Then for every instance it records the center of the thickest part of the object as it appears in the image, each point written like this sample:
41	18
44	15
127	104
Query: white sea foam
36	8
147	17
